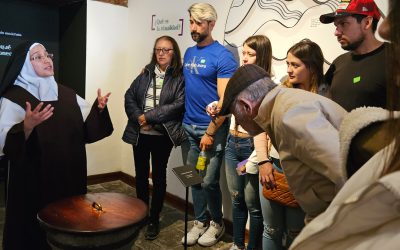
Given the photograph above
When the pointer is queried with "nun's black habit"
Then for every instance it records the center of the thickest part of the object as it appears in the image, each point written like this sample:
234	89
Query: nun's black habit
51	163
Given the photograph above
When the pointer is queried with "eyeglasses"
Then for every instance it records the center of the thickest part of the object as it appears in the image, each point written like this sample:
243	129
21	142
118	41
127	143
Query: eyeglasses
163	50
40	58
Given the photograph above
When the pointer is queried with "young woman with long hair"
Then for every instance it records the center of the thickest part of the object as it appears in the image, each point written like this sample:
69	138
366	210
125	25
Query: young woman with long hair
244	187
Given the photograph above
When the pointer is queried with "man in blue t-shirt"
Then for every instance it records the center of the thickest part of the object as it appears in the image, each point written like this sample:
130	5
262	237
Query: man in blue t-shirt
207	68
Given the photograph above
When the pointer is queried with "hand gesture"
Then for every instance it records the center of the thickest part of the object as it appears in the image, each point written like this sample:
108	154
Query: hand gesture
36	116
102	100
212	109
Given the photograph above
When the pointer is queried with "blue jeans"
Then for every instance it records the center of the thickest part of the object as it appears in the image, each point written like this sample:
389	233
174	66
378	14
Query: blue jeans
280	220
244	193
207	194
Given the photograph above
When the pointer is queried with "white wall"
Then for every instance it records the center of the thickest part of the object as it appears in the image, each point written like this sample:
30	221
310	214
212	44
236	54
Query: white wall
107	68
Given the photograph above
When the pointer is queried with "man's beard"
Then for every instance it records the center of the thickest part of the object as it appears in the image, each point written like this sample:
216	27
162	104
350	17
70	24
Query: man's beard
197	37
354	45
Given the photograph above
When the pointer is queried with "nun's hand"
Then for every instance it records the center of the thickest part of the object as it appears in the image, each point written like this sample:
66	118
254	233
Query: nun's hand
102	100
36	116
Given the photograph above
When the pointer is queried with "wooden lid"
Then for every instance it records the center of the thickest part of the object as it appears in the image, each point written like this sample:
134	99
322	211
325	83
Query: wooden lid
95	212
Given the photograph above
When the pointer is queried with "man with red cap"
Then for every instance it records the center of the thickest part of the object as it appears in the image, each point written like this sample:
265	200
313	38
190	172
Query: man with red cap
357	78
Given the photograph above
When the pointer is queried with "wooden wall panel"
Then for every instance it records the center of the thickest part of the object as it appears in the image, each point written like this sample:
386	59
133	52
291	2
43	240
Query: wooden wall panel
117	2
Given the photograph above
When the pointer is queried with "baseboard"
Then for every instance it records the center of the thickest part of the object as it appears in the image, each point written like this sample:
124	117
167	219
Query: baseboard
113	176
171	199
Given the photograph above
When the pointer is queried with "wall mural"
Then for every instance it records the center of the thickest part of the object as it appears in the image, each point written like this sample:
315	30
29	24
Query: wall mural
285	23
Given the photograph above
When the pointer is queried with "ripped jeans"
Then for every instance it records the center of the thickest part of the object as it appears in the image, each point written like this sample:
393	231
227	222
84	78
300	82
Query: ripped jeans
244	193
281	223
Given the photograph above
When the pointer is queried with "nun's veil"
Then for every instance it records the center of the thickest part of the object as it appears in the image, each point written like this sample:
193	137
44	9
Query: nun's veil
14	65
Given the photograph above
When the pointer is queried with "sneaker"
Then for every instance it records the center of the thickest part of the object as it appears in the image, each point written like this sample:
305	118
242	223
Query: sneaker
152	231
212	235
198	229
235	247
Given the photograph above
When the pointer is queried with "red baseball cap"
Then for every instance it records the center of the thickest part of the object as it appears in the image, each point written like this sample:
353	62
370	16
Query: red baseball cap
349	7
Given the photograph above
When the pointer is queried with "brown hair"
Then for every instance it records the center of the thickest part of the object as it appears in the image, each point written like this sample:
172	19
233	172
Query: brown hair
394	84
360	17
311	55
262	45
176	62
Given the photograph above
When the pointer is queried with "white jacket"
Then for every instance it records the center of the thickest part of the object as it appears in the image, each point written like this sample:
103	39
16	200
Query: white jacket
365	214
304	128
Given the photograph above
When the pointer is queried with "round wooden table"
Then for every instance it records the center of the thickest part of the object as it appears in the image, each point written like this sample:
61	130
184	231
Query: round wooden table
93	221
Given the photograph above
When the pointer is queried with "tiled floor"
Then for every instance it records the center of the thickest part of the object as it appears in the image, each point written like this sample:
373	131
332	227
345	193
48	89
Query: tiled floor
172	223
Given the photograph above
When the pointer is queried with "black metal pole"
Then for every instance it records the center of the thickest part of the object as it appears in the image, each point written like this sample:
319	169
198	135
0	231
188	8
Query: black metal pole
186	215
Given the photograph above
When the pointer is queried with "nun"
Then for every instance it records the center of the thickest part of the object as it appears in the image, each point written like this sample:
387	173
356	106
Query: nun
44	127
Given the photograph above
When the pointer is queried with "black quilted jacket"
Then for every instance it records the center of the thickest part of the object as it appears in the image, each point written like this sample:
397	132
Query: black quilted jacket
168	113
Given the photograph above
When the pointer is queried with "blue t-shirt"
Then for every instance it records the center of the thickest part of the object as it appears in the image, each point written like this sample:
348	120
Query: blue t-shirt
201	68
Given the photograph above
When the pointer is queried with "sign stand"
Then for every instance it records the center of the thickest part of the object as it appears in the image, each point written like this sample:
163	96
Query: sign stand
188	177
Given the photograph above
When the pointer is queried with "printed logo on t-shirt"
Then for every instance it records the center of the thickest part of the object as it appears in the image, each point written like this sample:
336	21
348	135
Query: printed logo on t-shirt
195	64
357	79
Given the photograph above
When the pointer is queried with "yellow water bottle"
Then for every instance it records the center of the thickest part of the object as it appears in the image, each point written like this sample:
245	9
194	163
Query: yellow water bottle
201	161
